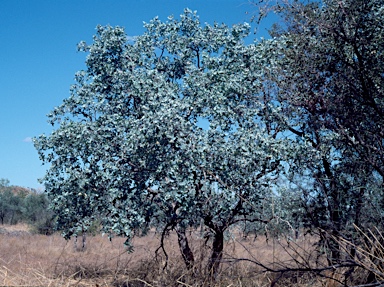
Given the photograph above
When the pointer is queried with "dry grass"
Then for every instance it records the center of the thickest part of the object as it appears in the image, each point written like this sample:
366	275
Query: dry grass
37	260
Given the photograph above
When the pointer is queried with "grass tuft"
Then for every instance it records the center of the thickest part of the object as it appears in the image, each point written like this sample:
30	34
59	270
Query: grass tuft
38	260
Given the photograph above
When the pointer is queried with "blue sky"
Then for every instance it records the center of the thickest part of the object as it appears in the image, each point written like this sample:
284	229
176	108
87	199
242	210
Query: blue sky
39	59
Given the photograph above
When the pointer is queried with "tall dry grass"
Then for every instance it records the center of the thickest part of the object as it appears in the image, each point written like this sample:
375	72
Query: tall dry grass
37	260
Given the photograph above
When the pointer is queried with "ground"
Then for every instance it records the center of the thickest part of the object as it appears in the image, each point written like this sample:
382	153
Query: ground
39	260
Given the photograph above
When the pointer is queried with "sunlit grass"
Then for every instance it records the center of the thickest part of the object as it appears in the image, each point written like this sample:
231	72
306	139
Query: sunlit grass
38	260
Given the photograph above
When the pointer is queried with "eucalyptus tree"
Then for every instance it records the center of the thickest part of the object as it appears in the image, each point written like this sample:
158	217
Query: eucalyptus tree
165	131
327	75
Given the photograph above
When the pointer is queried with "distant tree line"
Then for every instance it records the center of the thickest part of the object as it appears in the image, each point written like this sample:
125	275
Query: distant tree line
22	205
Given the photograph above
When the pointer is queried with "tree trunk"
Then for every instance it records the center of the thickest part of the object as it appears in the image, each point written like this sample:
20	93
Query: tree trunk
84	240
335	247
217	253
83	243
335	213
75	244
185	250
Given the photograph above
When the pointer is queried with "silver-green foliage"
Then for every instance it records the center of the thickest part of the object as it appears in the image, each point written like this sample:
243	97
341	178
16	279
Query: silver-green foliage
129	146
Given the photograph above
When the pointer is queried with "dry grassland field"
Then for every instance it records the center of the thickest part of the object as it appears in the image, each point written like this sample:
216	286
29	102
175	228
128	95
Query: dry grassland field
37	260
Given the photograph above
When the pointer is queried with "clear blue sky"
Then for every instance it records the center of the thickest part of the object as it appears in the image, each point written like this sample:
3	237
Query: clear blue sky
39	59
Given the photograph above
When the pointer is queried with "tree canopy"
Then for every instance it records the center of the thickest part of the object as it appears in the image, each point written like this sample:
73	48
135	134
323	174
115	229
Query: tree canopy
329	84
166	131
187	125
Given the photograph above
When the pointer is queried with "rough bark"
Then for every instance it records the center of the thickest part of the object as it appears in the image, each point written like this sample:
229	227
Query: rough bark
185	250
217	253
